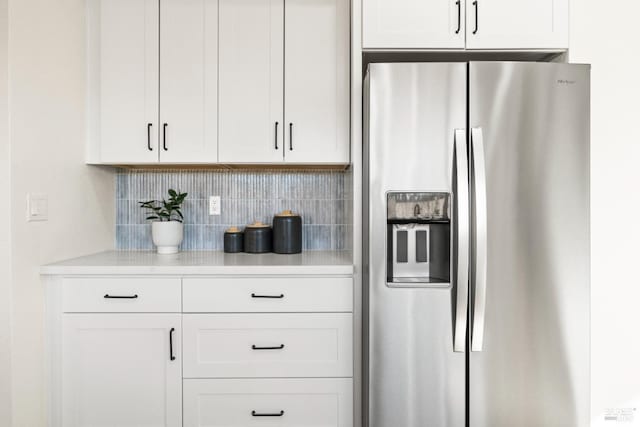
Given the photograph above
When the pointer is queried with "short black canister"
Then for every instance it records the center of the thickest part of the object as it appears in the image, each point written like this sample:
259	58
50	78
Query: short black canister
233	240
257	238
287	233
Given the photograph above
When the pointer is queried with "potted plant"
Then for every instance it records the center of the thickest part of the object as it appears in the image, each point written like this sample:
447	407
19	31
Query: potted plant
166	229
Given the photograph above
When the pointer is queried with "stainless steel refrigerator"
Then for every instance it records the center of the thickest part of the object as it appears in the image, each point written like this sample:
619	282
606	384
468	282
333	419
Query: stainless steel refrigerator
476	245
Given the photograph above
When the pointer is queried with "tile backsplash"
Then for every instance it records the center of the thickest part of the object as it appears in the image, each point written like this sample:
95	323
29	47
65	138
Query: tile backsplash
322	198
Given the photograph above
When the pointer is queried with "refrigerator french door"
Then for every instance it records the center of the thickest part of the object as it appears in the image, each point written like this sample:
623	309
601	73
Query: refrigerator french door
476	245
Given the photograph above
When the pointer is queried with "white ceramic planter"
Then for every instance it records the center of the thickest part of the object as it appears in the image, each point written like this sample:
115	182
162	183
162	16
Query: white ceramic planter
167	236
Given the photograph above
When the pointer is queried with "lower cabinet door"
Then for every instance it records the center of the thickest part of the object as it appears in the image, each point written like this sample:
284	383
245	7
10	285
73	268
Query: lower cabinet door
121	370
318	402
268	345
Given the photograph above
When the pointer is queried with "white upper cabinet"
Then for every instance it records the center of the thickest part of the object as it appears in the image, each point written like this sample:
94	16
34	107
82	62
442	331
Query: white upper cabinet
219	81
316	81
413	24
188	81
153	77
470	24
121	370
251	81
123	81
517	24
284	81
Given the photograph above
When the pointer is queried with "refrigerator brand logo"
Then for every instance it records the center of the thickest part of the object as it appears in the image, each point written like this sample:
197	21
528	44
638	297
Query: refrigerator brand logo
566	82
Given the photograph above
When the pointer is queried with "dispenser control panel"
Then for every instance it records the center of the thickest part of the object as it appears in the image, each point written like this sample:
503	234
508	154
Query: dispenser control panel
418	238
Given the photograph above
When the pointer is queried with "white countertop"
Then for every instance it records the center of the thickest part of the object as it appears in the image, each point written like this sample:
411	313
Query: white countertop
204	263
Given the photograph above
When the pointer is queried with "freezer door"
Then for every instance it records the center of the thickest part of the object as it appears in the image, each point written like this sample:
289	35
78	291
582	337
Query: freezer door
529	311
415	362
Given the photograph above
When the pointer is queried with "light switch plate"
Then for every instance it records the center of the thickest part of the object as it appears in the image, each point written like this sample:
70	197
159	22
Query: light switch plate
214	205
37	207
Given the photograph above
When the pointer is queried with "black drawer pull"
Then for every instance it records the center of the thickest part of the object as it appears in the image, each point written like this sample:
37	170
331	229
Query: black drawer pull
121	296
267	296
257	414
255	347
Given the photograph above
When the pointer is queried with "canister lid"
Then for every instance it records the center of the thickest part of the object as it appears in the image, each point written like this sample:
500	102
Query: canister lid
233	229
287	212
258	224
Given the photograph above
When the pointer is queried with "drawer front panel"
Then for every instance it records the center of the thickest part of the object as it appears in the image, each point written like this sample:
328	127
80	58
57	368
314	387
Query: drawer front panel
272	294
267	345
325	402
121	295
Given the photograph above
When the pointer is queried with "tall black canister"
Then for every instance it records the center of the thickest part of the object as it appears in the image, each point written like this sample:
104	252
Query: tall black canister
287	233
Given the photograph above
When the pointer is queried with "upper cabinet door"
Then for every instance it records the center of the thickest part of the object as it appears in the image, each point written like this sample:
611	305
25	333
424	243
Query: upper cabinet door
317	81
118	370
188	131
123	81
251	81
413	24
517	24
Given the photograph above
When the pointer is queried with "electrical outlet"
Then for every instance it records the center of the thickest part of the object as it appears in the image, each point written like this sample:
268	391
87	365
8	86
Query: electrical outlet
214	205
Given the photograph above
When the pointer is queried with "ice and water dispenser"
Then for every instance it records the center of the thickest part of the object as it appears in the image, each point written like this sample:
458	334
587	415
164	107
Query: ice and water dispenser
418	238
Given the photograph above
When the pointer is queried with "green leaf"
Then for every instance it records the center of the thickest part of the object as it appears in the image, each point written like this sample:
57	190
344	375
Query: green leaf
173	193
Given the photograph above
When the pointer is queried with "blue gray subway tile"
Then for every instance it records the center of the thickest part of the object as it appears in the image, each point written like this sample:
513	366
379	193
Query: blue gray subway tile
322	198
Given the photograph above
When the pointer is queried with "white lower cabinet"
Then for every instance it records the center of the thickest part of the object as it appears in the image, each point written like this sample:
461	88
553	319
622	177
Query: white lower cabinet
315	402
164	352
267	345
121	370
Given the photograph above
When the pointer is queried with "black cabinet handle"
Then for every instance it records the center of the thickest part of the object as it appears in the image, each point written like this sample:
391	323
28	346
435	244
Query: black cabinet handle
459	16
276	136
291	136
121	296
267	296
257	414
255	347
475	5
164	137
171	356
149	136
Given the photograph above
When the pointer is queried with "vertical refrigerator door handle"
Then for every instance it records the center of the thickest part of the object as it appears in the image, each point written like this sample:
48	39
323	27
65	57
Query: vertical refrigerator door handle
479	275
461	198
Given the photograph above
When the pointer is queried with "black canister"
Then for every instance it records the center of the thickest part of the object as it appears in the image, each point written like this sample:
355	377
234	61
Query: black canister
287	233
257	238
233	240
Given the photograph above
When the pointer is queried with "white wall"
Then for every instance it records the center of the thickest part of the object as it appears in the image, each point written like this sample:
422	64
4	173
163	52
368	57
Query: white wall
47	131
5	229
605	34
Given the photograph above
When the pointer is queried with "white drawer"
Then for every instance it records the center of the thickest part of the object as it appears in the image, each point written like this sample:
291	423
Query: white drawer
272	294
121	295
325	402
267	345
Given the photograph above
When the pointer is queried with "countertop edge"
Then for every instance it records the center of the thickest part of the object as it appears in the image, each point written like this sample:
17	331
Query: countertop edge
278	270
215	263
